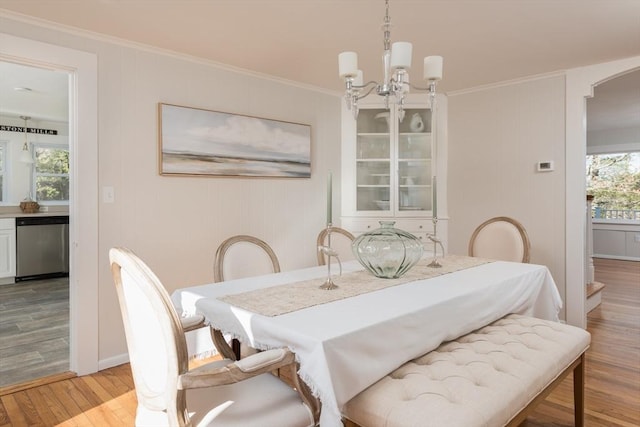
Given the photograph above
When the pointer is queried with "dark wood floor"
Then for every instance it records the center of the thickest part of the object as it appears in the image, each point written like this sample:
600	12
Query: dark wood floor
612	389
34	330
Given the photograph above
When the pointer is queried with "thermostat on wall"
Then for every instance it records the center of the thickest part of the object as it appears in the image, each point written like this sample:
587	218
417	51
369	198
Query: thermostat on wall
545	166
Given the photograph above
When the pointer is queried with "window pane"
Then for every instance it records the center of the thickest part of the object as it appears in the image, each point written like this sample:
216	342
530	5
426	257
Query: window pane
1	188
52	188
52	161
614	181
51	173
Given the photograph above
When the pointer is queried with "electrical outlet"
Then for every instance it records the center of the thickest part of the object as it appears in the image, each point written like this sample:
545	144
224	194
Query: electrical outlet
44	208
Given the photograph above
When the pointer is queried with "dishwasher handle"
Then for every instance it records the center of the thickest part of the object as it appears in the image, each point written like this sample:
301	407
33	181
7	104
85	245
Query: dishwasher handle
41	220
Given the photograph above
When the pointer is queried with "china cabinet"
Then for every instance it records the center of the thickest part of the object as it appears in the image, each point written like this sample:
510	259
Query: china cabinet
7	250
391	168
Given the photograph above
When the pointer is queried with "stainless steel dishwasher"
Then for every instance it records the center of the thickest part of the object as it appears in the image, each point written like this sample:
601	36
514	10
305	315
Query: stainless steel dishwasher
42	247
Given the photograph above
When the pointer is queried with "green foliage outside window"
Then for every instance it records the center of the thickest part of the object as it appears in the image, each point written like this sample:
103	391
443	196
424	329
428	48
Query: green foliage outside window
614	180
51	173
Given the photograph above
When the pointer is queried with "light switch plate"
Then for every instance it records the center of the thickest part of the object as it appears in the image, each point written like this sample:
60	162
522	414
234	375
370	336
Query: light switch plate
108	195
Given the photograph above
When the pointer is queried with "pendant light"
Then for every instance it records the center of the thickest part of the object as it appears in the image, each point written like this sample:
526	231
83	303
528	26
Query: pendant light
25	155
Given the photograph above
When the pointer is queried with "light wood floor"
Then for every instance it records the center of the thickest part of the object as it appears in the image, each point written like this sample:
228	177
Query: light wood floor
612	382
612	390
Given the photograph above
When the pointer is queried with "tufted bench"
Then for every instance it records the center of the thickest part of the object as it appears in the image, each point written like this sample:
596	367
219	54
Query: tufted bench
490	377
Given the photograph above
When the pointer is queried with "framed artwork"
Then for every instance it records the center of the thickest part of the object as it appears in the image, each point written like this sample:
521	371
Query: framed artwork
197	142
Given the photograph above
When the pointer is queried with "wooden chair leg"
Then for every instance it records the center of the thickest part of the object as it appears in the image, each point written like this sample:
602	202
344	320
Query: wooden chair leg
578	392
235	345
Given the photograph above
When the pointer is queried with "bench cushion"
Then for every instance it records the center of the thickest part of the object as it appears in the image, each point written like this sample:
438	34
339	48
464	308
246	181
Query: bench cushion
484	378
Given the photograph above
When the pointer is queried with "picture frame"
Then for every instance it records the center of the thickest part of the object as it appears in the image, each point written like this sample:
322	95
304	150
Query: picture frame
199	142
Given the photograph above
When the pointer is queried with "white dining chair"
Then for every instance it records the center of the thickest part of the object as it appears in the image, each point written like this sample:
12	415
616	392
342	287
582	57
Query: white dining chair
220	393
341	241
243	256
500	238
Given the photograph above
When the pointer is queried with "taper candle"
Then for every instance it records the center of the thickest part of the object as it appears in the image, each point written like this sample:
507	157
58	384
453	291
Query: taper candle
329	200
435	198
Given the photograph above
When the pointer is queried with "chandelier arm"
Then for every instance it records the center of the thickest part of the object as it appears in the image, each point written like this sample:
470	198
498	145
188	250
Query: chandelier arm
371	89
367	84
430	88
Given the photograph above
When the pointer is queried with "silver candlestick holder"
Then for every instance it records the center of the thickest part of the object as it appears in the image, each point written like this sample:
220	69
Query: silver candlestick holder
436	241
329	252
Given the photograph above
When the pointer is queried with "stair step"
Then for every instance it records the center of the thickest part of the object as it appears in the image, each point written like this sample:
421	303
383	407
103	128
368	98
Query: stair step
594	287
594	295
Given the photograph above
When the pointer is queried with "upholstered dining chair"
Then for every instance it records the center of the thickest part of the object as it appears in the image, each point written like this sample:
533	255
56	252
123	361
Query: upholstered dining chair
221	393
501	238
341	241
243	256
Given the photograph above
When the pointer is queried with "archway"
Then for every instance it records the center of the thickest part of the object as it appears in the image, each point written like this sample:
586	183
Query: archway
579	86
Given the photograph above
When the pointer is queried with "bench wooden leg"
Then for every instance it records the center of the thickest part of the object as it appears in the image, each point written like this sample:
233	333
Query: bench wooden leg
578	392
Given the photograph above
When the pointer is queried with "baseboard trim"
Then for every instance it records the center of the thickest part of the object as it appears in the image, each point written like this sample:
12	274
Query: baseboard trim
110	362
7	280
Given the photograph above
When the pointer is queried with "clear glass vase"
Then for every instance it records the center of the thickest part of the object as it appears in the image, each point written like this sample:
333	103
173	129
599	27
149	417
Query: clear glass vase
387	252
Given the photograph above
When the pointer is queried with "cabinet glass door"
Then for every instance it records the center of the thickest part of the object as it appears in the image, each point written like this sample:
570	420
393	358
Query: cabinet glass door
373	160
414	161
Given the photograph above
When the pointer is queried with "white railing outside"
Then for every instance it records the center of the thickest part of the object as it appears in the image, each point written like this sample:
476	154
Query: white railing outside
628	214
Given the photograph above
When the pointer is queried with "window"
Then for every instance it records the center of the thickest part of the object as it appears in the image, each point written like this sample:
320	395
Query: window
3	171
614	182
51	173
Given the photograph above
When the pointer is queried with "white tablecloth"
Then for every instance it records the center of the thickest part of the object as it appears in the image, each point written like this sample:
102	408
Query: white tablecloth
347	345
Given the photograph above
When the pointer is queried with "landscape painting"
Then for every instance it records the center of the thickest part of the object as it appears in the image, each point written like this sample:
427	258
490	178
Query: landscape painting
202	142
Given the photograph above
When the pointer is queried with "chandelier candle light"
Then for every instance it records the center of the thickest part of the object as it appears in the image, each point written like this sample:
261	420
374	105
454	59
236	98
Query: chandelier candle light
396	61
434	218
326	250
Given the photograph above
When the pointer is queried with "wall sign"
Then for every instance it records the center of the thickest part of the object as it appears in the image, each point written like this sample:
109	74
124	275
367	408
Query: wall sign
11	128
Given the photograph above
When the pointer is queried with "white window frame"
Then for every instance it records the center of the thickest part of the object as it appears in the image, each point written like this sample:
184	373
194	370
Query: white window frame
35	174
4	172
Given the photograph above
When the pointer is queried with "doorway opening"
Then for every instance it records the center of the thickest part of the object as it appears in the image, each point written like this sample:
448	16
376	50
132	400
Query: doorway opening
80	69
34	339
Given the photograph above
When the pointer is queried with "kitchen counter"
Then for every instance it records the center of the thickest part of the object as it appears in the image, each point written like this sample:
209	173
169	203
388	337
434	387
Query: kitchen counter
21	214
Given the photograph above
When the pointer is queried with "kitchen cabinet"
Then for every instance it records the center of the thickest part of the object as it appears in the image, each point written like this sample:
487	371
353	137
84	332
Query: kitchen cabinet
390	167
7	250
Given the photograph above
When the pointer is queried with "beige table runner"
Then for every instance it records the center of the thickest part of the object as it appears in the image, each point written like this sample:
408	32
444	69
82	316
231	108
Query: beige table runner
282	299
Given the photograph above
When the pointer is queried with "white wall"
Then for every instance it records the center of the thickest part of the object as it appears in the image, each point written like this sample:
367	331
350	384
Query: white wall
175	224
496	137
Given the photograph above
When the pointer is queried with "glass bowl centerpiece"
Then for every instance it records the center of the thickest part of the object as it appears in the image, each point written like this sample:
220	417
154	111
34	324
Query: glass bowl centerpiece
387	252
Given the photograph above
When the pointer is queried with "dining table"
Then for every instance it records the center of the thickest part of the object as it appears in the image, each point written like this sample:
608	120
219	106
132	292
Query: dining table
345	339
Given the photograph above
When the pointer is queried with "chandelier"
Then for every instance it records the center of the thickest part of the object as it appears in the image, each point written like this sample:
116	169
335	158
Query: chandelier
396	61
